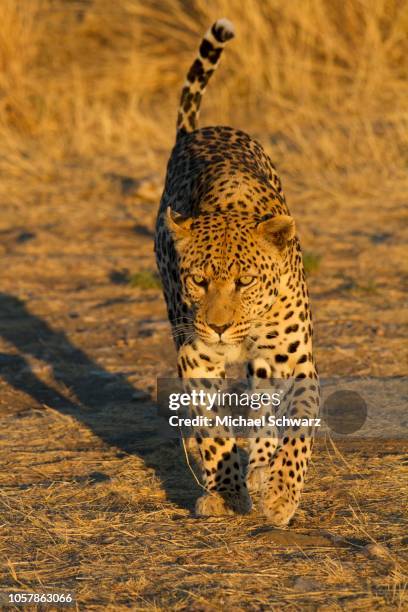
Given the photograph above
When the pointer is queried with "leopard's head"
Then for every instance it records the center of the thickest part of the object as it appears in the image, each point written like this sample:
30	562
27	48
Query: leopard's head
230	268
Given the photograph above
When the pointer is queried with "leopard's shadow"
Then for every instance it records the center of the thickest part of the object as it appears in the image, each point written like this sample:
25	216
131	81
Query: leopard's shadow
97	392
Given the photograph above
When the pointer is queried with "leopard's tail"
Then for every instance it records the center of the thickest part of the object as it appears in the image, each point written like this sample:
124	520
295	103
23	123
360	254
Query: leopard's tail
197	78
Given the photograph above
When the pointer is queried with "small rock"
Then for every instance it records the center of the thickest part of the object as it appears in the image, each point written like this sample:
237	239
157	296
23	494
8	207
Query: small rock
376	551
25	237
305	585
380	237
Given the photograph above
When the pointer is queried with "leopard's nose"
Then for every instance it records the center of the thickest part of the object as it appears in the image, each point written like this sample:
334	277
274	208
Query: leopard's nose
220	329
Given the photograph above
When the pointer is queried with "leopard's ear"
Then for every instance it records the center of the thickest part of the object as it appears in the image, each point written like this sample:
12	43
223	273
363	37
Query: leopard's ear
277	230
178	225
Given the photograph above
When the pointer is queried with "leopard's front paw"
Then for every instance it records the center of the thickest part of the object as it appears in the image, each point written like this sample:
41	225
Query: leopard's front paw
279	507
217	504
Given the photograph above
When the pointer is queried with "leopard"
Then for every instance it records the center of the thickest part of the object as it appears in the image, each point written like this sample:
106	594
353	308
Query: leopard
234	283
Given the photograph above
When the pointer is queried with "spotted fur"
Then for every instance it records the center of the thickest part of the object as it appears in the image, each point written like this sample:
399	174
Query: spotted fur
235	288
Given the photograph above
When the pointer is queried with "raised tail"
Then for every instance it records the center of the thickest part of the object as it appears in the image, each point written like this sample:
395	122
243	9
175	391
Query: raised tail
197	78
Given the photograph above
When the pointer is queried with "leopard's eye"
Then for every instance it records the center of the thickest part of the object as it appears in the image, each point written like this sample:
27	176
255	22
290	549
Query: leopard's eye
199	280
245	281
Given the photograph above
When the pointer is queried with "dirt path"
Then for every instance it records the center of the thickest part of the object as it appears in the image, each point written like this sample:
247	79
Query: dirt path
92	499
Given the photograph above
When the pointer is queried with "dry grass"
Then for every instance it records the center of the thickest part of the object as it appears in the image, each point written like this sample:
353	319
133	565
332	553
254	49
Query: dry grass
91	498
103	77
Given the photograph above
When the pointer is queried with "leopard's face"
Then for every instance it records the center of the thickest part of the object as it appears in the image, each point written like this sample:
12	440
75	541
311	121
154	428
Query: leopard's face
229	271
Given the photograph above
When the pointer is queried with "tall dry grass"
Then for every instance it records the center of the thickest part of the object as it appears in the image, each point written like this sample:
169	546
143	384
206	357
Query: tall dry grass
325	80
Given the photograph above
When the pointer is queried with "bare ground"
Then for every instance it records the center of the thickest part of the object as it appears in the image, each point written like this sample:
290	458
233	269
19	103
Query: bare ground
92	498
